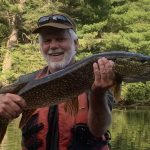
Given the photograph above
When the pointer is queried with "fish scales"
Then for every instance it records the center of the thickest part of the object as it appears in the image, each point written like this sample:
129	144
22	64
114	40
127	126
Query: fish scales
132	67
61	90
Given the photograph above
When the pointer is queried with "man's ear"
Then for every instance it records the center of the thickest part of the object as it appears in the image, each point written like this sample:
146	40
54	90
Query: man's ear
76	42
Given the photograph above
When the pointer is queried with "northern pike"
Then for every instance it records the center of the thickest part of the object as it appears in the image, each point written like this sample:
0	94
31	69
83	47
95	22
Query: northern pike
75	79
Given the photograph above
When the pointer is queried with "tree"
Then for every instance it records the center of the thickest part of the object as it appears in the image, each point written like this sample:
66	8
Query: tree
12	11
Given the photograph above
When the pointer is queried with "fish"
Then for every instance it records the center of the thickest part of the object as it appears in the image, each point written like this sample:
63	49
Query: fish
68	83
78	78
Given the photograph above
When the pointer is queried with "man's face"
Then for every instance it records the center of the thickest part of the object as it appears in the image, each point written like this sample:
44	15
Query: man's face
58	48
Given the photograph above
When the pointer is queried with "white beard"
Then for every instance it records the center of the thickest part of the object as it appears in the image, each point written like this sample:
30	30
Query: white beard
68	56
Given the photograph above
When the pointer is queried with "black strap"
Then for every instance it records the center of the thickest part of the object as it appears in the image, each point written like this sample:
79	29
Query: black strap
52	135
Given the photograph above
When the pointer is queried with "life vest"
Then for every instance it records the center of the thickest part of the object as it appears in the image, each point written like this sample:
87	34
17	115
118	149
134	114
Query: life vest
36	131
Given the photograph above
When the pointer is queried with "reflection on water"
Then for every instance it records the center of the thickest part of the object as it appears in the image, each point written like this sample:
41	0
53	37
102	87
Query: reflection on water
130	130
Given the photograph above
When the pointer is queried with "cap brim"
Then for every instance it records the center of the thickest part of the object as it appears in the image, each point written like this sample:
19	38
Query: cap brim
54	25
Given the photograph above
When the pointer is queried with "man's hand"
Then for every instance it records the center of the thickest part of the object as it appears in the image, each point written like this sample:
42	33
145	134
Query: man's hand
11	105
104	76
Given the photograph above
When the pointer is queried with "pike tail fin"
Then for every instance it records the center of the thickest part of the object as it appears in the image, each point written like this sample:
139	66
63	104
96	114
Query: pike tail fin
3	128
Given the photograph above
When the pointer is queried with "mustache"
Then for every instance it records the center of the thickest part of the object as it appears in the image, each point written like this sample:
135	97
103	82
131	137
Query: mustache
50	51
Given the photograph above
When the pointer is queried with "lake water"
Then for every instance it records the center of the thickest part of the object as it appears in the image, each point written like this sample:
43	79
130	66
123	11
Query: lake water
130	130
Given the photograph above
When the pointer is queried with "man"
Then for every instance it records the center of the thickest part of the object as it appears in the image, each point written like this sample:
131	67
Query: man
53	128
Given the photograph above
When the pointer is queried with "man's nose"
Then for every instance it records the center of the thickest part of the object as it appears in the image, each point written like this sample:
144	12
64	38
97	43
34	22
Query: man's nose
54	44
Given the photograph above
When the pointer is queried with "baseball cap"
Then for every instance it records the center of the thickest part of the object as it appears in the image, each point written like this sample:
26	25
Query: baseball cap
61	21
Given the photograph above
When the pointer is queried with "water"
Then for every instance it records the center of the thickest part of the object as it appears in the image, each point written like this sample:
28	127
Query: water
130	130
12	139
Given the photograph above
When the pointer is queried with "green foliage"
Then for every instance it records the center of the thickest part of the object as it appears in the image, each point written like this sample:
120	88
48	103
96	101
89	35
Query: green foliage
82	55
86	12
26	59
88	41
136	91
3	32
4	25
8	77
2	53
95	27
11	6
133	41
26	55
35	9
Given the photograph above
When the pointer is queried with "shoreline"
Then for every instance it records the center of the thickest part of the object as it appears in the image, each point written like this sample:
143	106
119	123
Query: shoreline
135	105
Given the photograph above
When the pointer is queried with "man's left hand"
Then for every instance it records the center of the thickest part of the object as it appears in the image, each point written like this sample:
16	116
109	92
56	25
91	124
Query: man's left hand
104	75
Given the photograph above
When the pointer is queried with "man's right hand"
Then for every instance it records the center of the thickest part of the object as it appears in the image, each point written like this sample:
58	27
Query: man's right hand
11	105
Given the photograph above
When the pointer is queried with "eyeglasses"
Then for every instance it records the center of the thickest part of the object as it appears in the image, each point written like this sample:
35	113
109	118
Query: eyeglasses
54	18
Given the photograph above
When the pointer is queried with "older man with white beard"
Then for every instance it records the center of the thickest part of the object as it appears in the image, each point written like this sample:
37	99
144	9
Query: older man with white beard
52	128
58	49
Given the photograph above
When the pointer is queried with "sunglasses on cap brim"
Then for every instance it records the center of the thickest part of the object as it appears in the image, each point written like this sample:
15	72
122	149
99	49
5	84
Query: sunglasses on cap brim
55	19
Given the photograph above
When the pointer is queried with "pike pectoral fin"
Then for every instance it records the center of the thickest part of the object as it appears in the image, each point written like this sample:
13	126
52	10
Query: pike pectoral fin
3	127
71	106
26	115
